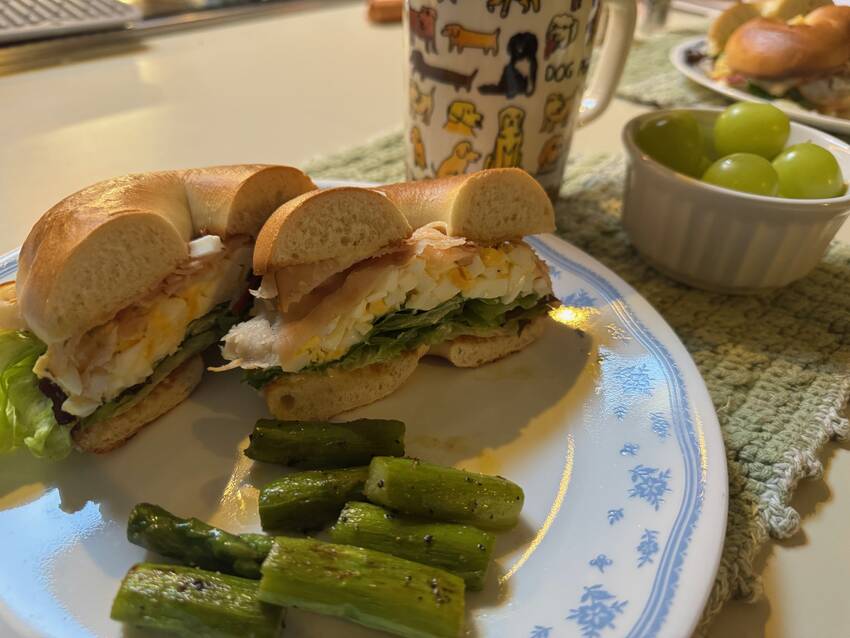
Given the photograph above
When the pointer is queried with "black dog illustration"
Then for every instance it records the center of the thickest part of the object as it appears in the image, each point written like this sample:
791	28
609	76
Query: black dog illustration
438	74
519	77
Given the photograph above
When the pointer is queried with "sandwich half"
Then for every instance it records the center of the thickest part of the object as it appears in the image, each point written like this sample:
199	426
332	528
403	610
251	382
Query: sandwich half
120	287
359	284
797	50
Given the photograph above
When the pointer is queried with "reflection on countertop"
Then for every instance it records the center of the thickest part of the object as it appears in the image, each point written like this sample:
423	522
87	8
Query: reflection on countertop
159	17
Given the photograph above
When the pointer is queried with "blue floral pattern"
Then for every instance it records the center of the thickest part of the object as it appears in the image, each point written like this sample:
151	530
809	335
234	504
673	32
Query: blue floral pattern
629	449
540	631
601	562
615	515
647	403
635	380
649	484
660	425
648	546
598	611
579	299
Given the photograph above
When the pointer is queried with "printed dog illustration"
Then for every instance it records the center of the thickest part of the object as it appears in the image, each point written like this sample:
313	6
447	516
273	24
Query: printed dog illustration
458	162
423	25
439	74
560	34
547	161
421	103
461	38
507	149
519	77
506	6
556	111
418	148
462	118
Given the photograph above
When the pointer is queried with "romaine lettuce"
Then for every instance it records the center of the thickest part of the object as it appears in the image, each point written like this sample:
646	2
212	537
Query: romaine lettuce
404	330
26	415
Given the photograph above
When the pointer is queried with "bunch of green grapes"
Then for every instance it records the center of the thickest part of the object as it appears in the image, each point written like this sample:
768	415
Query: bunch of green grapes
745	152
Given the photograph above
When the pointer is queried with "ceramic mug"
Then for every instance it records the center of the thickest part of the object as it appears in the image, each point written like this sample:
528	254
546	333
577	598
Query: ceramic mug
498	83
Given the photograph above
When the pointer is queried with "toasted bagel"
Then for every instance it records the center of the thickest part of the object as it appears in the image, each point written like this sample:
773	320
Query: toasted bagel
772	49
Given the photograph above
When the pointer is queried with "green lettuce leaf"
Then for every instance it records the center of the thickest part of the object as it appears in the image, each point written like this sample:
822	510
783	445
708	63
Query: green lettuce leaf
26	415
404	330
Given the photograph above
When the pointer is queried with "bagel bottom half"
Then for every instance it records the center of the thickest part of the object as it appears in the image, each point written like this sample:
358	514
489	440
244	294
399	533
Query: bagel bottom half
321	395
105	436
471	352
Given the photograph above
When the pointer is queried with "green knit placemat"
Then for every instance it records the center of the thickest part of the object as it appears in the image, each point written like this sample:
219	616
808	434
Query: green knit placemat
776	365
650	78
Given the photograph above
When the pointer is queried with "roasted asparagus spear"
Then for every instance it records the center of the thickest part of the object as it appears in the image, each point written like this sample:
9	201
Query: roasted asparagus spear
368	587
307	500
195	543
313	445
191	602
444	493
460	549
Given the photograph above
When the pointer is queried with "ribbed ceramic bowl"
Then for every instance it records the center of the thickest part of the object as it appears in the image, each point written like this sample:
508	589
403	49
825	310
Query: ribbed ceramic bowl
720	239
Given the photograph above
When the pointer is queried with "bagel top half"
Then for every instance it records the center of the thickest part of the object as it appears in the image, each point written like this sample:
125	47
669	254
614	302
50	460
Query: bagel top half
108	245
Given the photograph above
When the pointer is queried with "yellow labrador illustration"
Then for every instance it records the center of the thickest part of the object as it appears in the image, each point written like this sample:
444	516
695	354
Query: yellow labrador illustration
458	162
421	103
418	147
462	118
550	153
507	150
556	111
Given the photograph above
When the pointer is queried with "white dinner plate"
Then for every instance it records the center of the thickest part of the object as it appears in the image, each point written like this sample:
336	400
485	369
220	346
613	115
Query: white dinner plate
604	422
797	113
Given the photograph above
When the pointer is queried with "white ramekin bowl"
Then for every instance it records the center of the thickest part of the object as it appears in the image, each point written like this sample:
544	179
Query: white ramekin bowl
720	239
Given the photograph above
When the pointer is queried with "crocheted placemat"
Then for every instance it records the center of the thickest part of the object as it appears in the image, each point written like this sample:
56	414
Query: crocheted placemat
650	78
776	365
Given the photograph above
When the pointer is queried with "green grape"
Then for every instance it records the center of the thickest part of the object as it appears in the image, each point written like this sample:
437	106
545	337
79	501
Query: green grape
673	139
808	171
745	172
749	127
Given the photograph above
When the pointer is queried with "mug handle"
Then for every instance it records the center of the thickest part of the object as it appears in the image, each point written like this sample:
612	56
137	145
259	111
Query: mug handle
609	66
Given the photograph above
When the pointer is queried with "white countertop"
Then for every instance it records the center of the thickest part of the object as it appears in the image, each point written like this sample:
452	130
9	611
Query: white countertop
289	88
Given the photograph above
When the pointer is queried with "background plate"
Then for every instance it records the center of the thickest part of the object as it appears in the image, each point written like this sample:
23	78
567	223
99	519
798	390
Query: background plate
605	422
796	113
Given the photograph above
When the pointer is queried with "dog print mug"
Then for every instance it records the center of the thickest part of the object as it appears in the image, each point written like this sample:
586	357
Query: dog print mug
499	83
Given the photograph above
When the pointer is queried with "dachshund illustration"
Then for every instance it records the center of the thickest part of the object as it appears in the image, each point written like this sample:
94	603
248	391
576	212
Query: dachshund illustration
507	149
556	111
560	34
439	74
506	6
461	38
421	103
423	24
547	161
519	77
418	148
462	118
458	162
